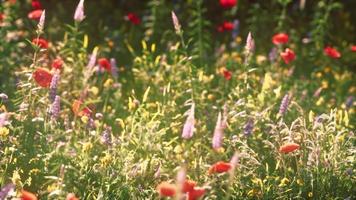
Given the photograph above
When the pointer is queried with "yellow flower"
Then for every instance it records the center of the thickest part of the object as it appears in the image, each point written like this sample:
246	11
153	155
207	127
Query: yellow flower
108	83
300	182
4	132
87	146
284	182
94	90
85	119
310	194
106	160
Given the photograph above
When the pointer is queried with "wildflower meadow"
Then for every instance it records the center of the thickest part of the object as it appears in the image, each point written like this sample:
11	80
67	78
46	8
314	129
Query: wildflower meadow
177	99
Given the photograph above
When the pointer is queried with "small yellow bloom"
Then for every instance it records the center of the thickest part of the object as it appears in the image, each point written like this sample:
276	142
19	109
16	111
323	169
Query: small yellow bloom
94	90
108	83
310	194
85	119
87	147
300	182
4	132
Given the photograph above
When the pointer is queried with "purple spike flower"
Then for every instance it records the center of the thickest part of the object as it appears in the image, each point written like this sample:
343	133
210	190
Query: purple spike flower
235	30
248	128
284	104
53	87
349	102
3	119
188	129
4	192
92	60
106	136
114	70
273	54
55	107
79	12
218	133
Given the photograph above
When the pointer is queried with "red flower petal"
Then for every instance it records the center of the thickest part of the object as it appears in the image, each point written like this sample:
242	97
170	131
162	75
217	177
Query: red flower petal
79	111
57	63
71	196
166	189
42	77
25	195
196	193
132	17
104	64
289	147
332	52
36	4
288	56
220	167
188	186
40	42
227	74
35	15
280	38
228	3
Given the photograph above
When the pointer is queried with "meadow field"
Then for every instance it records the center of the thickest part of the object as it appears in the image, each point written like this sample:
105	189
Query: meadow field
185	100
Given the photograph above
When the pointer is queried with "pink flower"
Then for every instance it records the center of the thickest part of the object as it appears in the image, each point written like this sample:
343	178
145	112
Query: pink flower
228	3
218	133
188	129
79	12
35	15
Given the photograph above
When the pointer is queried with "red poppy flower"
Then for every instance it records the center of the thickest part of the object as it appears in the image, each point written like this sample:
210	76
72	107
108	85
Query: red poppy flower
288	55
188	186
104	64
27	195
166	189
132	17
280	38
353	48
36	4
227	74
2	17
57	63
40	42
71	196
332	52
220	167
289	147
196	193
35	15
42	77
79	111
228	3
228	26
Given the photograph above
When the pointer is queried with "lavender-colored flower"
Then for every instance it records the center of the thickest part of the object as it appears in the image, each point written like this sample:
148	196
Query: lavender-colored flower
284	104
114	70
55	108
176	24
349	102
248	128
188	129
273	54
218	133
3	97
235	30
317	92
250	44
235	159
3	119
79	12
4	192
92	60
53	87
106	136
41	23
